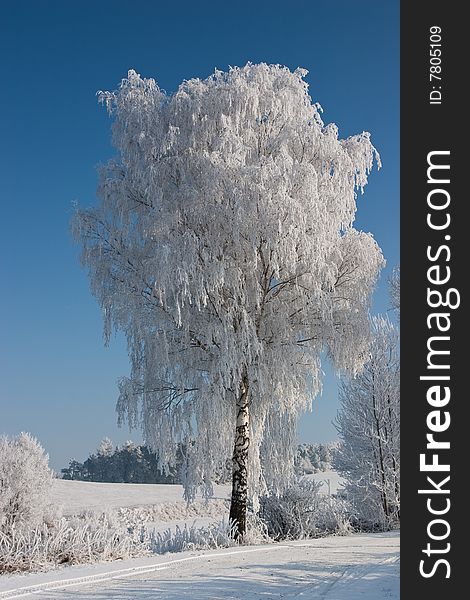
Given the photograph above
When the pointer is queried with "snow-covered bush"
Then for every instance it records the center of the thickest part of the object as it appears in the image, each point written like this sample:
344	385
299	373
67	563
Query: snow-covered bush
302	512
80	540
215	535
116	534
171	511
256	530
89	538
25	483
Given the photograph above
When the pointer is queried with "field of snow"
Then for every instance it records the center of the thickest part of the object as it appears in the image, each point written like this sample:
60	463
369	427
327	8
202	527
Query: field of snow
77	496
159	507
364	567
331	481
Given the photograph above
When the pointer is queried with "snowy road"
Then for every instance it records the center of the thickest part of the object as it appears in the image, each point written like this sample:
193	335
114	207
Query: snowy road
359	567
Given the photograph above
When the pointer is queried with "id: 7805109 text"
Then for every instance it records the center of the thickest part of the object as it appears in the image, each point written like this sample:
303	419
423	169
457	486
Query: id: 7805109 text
435	64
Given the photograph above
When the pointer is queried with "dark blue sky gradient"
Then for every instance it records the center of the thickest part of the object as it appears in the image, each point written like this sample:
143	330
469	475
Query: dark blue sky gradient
56	378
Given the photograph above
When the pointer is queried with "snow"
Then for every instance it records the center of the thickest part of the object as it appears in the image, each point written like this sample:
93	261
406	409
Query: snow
159	506
354	567
77	496
364	567
331	481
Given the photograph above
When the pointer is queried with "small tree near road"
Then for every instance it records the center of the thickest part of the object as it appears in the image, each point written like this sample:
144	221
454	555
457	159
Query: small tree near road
25	482
223	247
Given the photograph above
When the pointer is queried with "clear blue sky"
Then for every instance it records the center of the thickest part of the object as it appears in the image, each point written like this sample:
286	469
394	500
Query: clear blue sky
56	378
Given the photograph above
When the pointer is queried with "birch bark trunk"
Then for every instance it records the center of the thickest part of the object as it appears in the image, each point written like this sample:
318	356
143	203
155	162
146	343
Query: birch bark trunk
239	499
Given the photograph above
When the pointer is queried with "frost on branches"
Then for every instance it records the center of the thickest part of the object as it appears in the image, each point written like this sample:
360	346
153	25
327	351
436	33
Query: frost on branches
223	248
394	286
25	483
368	423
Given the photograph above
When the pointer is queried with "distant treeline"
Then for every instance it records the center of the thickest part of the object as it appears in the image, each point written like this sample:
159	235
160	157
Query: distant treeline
131	463
128	463
311	458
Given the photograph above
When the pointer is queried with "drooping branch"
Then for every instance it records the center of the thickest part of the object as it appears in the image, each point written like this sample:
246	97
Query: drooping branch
223	248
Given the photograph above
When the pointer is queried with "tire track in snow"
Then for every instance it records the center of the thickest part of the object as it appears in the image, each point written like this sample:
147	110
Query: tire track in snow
352	575
23	592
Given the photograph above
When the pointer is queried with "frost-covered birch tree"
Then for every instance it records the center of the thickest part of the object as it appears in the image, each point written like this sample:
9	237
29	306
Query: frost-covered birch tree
368	423
223	247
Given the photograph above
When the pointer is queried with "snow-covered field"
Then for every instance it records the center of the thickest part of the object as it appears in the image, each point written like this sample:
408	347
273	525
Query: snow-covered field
159	507
355	567
76	496
331	481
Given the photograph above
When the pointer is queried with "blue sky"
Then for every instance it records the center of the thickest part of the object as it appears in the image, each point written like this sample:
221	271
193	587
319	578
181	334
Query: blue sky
56	378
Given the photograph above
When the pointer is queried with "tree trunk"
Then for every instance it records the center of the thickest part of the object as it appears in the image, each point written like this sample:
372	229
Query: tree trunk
383	491
393	437
239	500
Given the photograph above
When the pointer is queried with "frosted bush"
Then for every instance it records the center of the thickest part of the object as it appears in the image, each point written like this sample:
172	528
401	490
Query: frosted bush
216	535
81	540
25	483
172	511
89	537
302	512
256	530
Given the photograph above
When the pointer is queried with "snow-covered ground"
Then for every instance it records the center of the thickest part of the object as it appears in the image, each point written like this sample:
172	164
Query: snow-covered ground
331	481
364	567
356	567
158	506
76	496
